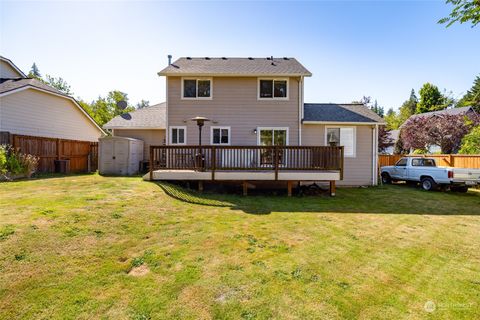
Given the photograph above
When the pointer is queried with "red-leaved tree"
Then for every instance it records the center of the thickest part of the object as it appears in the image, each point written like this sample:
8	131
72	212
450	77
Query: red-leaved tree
445	131
384	139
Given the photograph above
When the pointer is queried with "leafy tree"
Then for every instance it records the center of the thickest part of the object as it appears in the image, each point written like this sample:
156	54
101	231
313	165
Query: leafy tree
446	131
34	72
377	109
472	97
431	99
143	104
471	142
398	148
384	139
463	11
392	119
58	83
105	108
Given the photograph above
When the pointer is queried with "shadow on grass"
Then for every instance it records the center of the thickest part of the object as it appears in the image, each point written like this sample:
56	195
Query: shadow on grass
392	199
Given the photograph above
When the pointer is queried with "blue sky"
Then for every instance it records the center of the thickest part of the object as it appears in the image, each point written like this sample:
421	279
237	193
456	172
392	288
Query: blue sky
353	48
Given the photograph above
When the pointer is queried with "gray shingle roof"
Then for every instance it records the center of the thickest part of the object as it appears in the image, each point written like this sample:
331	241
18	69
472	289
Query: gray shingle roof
13	84
236	67
333	112
452	111
152	117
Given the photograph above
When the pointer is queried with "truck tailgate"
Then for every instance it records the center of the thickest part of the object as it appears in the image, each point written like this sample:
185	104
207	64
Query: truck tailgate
466	174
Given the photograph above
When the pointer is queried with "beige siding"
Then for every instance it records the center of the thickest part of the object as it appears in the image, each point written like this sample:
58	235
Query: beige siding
7	71
31	112
234	103
148	136
358	170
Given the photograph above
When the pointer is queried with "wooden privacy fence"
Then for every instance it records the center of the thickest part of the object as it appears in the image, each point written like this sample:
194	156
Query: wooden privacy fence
82	155
246	158
451	160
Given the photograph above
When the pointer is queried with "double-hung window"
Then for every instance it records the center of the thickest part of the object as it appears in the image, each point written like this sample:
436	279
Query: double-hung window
178	135
342	136
220	135
273	89
200	88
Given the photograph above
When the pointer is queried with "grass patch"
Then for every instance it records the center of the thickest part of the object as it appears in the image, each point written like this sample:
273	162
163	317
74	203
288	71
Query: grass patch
121	248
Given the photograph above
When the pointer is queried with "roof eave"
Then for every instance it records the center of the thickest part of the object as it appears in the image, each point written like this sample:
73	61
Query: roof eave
178	74
344	122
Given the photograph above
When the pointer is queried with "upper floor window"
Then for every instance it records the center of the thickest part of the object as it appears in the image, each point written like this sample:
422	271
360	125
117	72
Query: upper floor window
273	89
196	88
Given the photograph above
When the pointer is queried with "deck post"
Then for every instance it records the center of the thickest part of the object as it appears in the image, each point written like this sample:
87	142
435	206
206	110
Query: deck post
332	188
275	154
200	186
289	188
151	163
342	159
213	156
245	188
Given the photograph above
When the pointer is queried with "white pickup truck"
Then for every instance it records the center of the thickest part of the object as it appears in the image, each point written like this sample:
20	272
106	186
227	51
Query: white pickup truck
425	171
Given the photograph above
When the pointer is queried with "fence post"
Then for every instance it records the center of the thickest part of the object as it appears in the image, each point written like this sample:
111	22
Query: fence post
58	148
342	162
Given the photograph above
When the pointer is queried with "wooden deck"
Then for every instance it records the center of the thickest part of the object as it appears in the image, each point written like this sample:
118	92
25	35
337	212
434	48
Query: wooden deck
246	164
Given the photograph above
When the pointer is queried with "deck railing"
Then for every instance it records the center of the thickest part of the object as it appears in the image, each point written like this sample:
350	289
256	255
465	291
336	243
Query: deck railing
246	158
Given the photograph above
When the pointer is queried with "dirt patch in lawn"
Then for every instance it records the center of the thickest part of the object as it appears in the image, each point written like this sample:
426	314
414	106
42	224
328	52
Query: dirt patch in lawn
139	271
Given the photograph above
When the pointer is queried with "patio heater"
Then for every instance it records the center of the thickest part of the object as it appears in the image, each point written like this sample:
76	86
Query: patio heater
199	158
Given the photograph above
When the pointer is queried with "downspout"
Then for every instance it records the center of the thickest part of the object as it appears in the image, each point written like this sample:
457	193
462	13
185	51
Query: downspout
374	154
300	109
167	126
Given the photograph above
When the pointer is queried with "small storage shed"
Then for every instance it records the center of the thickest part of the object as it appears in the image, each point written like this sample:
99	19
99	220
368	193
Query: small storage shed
119	155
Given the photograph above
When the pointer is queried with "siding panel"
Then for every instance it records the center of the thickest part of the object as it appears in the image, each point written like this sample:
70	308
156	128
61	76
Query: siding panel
148	136
7	72
358	170
35	113
234	103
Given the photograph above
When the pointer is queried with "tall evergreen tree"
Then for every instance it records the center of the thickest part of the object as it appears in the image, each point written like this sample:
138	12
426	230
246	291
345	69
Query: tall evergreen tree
431	99
34	72
472	97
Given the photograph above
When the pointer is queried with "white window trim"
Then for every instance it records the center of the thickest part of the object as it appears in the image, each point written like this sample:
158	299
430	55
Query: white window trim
170	135
354	138
196	98
220	144
272	128
273	98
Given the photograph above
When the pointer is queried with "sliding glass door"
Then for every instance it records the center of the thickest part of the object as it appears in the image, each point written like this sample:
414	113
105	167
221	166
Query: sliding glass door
272	137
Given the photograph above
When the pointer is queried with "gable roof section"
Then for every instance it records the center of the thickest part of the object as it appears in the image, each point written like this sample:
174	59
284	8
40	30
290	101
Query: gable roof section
10	86
152	117
338	113
236	67
452	111
21	74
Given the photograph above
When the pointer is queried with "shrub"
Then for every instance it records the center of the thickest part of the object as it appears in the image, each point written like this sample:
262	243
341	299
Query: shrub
13	162
471	142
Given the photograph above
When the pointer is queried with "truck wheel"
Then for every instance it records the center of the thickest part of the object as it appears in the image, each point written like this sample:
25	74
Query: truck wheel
428	184
386	178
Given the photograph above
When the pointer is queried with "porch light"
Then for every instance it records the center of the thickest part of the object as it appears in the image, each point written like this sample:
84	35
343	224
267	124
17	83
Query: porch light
255	131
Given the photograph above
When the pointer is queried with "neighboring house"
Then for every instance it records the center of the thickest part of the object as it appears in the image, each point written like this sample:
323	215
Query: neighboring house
260	101
466	111
147	124
393	134
30	107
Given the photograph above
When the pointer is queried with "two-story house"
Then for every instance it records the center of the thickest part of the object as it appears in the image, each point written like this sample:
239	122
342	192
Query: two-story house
259	103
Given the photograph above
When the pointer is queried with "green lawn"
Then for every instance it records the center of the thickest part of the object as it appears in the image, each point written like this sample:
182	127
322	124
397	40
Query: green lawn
92	247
